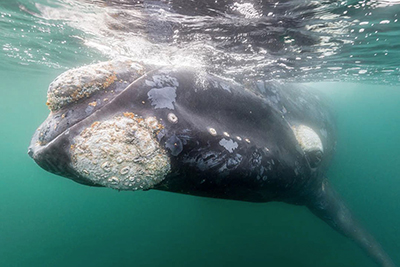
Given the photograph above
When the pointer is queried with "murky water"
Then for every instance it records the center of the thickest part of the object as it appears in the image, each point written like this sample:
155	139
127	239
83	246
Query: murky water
50	221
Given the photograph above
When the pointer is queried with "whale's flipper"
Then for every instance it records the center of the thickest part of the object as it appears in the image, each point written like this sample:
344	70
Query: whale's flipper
327	205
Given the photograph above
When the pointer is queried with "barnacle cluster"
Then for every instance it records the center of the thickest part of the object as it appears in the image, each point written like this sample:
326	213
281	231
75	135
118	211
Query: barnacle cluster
122	153
76	84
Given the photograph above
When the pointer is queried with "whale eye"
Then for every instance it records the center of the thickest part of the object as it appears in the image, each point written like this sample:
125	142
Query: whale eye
314	157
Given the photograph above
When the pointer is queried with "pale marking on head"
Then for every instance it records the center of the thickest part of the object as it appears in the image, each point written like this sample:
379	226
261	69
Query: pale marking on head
307	138
162	97
122	153
228	144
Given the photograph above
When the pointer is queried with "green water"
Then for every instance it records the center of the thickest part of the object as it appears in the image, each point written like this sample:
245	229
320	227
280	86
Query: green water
47	220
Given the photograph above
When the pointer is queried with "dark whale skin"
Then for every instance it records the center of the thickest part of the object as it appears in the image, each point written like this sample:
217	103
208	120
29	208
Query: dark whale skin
267	163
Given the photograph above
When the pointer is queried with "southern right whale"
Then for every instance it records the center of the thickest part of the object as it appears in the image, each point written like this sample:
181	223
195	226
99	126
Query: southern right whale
127	126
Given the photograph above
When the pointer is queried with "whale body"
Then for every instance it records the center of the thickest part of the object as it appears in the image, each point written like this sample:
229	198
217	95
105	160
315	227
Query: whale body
126	126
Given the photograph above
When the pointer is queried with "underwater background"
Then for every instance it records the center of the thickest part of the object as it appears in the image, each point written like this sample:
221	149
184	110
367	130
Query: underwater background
350	50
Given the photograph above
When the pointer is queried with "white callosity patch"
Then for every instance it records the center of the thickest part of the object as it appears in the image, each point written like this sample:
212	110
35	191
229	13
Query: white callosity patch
308	139
121	153
82	82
